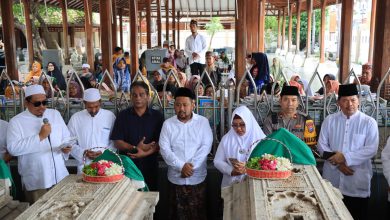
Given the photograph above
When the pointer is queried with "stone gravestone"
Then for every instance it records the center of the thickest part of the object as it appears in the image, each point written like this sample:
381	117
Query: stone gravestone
73	198
9	209
304	195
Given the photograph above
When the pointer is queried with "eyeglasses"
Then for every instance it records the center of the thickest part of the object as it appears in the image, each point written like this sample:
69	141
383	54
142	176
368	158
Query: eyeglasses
37	104
241	125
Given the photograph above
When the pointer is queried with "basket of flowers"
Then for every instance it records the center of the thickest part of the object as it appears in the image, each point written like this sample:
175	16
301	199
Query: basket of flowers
269	166
103	171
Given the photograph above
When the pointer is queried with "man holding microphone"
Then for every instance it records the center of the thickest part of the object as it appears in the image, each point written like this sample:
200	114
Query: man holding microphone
35	136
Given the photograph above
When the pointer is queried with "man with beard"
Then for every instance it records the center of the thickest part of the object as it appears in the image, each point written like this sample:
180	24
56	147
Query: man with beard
136	133
185	142
288	117
92	127
35	136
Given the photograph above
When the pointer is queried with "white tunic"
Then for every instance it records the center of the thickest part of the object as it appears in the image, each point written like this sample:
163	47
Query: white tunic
3	138
357	138
188	142
386	163
35	160
90	132
239	147
197	45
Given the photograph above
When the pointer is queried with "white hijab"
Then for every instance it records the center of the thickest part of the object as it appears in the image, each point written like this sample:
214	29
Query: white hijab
233	143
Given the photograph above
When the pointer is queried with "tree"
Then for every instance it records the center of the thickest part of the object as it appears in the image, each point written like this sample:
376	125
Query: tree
41	17
213	27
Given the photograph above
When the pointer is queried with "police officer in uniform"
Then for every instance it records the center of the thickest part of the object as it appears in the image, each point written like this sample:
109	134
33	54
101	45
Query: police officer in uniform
289	118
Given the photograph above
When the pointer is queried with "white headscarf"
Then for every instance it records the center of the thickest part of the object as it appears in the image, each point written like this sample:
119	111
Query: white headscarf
233	143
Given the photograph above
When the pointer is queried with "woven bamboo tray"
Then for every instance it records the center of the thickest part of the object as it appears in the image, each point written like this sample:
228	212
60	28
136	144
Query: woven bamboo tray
104	179
270	174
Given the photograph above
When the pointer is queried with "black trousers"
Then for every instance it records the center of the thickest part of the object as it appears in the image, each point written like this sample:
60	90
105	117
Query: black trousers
358	207
197	68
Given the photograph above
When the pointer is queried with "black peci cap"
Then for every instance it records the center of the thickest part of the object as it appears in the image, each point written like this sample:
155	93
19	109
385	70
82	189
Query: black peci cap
289	90
184	92
348	90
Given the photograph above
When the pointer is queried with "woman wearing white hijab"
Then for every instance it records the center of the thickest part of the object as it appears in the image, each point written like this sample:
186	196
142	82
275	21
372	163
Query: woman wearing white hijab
237	144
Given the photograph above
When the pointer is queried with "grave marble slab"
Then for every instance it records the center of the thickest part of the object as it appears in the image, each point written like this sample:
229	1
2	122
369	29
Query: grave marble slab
305	195
73	198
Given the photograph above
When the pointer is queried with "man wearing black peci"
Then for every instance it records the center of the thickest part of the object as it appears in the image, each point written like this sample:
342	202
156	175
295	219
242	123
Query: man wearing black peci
136	133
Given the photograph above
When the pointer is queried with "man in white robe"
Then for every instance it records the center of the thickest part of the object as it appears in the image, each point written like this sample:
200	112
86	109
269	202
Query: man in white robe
92	127
185	141
353	137
37	144
3	141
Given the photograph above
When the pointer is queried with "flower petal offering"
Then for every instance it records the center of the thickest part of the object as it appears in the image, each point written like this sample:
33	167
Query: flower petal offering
269	167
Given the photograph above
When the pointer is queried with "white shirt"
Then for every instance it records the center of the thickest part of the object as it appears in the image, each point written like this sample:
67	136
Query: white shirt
197	45
3	138
239	147
90	132
35	160
386	163
188	142
357	138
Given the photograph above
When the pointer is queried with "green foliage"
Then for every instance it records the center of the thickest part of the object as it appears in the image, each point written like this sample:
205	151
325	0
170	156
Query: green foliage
214	26
253	163
54	14
88	170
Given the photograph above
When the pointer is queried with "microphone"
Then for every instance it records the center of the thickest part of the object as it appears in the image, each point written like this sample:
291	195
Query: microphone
46	121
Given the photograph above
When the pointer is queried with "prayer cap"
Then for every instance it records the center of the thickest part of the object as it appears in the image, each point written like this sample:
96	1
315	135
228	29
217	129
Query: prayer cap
348	90
289	90
34	90
86	65
367	66
184	92
91	95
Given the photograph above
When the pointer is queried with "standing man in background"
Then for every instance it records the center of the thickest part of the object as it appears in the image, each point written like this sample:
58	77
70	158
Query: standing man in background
195	49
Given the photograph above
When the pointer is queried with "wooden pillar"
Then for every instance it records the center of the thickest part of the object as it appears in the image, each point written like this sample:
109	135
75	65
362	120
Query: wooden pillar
249	22
279	46
106	34
114	26
290	28
309	7
148	25
346	38
167	20
322	34
372	31
7	18
88	31
240	39
298	33
261	25
283	27
29	38
178	30
120	11
381	63
64	6
173	22
159	33
134	36
71	36
139	28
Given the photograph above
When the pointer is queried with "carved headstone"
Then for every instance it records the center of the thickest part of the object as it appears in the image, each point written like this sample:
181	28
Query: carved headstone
304	195
74	199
